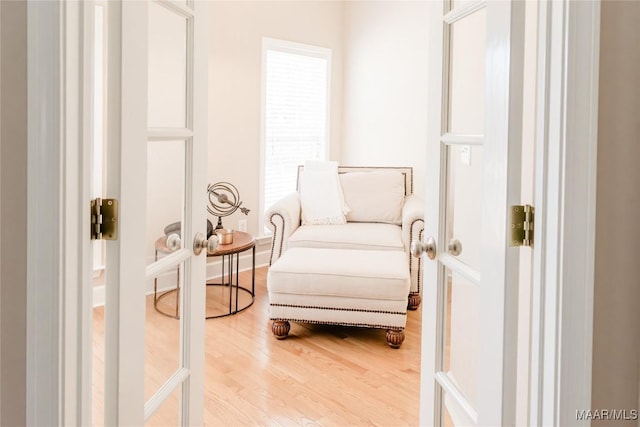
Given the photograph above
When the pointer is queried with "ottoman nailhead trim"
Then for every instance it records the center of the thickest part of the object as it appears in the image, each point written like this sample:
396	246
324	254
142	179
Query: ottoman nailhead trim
316	322
358	310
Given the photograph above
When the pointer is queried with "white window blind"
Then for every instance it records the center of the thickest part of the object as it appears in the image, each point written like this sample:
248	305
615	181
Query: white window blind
295	114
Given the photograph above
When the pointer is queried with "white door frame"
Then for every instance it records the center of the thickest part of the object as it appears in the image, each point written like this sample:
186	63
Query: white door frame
58	196
566	142
565	200
563	267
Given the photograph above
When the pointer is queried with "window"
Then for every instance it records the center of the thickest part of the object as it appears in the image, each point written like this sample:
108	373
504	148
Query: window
295	85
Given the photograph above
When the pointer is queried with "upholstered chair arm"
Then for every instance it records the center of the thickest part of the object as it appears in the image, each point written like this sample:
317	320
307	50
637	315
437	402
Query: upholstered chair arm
283	218
412	229
412	219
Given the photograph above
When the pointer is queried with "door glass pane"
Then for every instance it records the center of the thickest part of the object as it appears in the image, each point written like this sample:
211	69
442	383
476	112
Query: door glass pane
167	68
97	190
169	413
165	195
464	200
97	401
446	417
460	3
166	169
452	413
162	328
461	333
467	75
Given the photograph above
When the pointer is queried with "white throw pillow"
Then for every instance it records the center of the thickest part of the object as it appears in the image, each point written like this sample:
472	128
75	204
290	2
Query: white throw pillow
321	197
376	196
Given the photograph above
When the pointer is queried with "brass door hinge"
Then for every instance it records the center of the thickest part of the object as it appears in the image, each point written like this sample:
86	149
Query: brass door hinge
104	219
522	221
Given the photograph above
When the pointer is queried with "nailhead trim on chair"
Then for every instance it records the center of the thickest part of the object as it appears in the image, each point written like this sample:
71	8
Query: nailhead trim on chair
273	240
359	310
410	256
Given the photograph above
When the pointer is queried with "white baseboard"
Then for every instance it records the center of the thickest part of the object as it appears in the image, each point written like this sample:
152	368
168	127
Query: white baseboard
167	280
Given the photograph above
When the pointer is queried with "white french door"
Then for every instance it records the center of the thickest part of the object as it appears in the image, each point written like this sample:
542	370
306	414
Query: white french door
156	168
473	177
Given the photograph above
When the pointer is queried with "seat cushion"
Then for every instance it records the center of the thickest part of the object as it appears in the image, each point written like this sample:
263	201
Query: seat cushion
361	236
341	273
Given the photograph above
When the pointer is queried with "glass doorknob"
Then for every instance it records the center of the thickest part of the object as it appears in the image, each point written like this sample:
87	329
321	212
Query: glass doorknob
200	242
173	242
455	247
428	247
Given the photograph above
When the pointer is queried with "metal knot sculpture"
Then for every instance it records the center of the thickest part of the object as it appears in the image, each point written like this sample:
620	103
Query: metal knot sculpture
224	200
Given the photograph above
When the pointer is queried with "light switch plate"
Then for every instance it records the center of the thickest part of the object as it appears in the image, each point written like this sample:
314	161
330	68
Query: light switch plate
465	155
242	225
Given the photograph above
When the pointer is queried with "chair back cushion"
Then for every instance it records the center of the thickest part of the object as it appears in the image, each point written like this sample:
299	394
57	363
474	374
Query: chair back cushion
376	196
406	171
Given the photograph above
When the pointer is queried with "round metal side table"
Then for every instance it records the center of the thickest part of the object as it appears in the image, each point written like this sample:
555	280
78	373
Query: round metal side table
161	247
230	255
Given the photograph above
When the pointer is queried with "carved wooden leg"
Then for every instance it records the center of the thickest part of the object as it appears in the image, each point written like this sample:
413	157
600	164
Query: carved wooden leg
414	301
280	329
395	337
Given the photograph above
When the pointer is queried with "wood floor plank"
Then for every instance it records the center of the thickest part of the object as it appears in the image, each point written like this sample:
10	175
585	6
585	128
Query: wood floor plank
319	376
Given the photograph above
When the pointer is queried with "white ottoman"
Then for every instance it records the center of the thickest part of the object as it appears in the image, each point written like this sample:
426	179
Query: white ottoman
340	287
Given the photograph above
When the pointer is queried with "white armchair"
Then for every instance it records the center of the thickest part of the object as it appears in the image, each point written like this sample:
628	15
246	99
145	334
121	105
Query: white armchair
380	219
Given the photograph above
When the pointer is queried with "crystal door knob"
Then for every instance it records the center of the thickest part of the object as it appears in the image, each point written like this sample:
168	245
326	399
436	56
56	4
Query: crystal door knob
200	242
455	247
173	242
428	247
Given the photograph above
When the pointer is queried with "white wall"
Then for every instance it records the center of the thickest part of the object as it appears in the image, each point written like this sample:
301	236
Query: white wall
235	40
13	227
385	85
236	32
616	333
378	113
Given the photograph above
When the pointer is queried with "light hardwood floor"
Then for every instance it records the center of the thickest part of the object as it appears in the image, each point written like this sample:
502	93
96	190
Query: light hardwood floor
319	375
